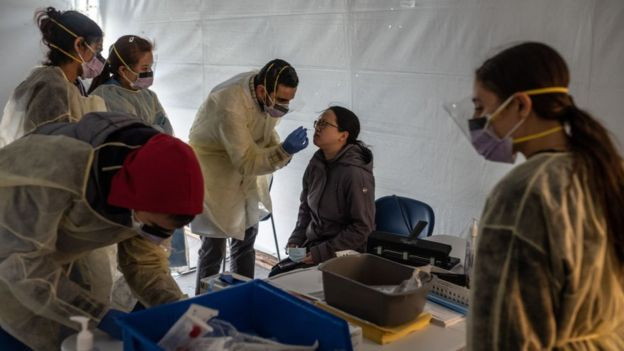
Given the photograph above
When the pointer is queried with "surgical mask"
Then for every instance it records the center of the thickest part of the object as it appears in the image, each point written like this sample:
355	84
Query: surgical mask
93	67
151	233
90	69
144	79
297	254
275	110
484	139
487	143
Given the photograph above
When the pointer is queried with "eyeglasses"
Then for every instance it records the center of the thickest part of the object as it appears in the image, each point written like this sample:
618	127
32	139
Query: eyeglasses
321	124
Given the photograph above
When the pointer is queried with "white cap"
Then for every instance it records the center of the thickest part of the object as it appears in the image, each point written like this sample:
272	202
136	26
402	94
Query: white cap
84	340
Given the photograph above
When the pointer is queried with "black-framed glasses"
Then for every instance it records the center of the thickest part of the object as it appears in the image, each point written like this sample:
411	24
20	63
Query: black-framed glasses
322	124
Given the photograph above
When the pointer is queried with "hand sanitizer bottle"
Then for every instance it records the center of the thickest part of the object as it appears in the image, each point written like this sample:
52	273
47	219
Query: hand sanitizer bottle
84	340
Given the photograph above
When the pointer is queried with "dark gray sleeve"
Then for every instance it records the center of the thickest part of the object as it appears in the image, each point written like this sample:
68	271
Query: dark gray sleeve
361	206
161	119
298	235
163	122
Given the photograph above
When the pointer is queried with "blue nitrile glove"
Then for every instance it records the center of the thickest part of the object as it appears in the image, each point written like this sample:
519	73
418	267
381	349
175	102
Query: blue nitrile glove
109	325
296	141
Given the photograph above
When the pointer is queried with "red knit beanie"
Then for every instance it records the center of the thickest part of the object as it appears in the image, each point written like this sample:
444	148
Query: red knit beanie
162	176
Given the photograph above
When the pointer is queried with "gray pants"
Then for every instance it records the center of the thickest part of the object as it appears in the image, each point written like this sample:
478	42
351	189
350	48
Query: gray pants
242	256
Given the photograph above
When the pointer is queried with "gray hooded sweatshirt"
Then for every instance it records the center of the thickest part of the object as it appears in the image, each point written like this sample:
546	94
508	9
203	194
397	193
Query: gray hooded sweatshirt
337	210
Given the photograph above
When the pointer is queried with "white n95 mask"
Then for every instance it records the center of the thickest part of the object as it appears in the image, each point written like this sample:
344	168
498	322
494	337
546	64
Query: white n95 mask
296	254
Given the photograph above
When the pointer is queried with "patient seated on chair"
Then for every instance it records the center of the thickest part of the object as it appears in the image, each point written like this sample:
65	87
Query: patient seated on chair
337	210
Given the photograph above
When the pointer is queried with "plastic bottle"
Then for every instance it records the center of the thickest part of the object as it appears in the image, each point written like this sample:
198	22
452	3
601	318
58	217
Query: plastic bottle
84	339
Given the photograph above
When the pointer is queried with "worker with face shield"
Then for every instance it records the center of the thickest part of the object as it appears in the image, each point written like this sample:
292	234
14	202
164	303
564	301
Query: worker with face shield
237	146
67	189
54	92
548	269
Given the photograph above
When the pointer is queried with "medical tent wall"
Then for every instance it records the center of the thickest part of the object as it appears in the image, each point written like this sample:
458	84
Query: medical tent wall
393	62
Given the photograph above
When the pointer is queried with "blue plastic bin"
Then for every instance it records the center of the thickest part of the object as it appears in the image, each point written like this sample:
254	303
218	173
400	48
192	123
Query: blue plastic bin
254	307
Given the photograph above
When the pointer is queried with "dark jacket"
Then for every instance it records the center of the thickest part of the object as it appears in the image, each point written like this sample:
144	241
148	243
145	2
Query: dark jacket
113	128
337	210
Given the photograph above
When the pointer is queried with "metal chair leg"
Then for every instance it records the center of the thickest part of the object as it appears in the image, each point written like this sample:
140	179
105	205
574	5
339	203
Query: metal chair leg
277	248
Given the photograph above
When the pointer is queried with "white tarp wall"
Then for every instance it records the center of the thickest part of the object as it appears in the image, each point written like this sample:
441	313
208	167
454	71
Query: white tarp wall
19	41
393	62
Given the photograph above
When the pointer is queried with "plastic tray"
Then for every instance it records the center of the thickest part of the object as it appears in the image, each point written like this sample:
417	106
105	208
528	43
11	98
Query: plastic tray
348	285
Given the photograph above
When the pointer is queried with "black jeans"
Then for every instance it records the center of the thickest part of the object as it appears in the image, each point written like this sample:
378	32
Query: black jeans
242	256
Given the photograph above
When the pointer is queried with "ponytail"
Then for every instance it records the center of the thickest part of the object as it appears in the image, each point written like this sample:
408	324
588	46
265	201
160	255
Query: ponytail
601	167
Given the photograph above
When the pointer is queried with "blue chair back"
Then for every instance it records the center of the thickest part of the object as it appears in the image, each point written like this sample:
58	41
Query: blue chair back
399	215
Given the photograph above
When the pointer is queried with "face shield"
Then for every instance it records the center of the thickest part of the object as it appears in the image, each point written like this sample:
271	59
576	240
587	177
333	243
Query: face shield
463	112
477	129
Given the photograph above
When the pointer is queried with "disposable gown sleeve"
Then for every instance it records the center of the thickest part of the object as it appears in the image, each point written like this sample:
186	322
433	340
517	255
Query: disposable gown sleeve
33	274
31	105
275	139
48	102
512	306
145	266
245	154
161	120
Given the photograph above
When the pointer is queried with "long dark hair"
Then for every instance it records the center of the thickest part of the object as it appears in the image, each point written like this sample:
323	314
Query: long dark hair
51	22
130	48
536	65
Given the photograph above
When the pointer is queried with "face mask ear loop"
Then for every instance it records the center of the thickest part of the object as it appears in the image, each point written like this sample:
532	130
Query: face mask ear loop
500	109
122	60
538	91
276	80
72	34
266	91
